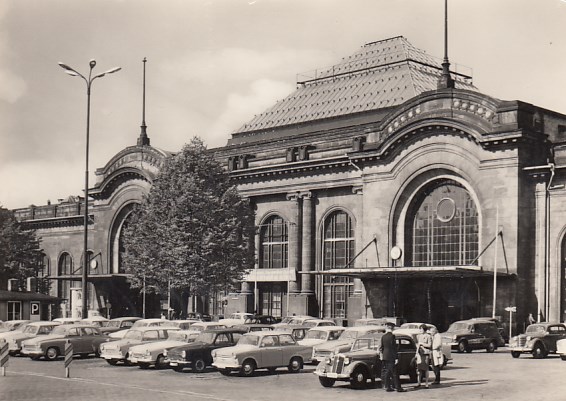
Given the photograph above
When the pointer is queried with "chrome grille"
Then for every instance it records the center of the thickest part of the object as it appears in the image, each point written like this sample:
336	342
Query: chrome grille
522	341
337	364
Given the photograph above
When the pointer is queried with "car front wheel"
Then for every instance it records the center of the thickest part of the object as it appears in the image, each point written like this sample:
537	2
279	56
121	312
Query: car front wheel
295	365
515	354
248	368
199	365
326	382
52	353
491	347
563	357
539	352
462	347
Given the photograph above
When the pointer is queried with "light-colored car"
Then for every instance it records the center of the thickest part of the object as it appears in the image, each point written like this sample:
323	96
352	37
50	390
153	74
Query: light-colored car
67	320
119	323
11	325
295	320
372	321
235	319
202	326
561	348
184	324
319	335
30	330
98	321
118	351
154	353
344	342
261	350
85	340
153	322
413	333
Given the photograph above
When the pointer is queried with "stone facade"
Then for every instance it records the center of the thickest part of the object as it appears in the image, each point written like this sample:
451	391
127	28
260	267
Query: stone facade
375	194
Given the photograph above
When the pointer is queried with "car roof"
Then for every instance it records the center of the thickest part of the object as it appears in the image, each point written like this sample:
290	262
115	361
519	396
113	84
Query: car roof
328	328
126	318
267	333
147	328
79	325
45	323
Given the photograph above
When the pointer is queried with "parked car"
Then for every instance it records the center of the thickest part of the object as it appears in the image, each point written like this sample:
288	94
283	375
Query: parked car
118	351
378	321
296	320
119	323
197	355
261	319
153	322
344	342
473	334
98	321
416	325
184	324
154	353
413	333
261	350
539	340
362	362
30	330
11	325
202	326
246	328
319	335
318	323
504	333
235	318
561	348
85	339
67	320
199	316
298	331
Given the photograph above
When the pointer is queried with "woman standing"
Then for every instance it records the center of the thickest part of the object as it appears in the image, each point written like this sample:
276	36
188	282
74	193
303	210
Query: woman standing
424	347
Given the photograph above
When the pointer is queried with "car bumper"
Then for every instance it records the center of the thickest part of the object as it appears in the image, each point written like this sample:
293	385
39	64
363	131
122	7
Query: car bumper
142	359
177	362
115	356
226	365
520	349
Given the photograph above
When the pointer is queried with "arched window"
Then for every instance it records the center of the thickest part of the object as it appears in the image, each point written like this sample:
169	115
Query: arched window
45	270
65	265
443	226
274	239
338	250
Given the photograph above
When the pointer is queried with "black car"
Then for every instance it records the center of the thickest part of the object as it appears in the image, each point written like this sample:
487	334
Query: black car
197	355
472	334
261	319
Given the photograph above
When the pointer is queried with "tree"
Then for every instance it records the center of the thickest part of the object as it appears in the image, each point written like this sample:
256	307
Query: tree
193	231
20	253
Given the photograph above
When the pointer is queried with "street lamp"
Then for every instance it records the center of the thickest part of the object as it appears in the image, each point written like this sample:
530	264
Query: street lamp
88	81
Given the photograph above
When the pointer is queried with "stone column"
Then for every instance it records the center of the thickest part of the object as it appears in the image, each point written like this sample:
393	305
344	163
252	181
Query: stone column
294	230
307	265
358	285
540	258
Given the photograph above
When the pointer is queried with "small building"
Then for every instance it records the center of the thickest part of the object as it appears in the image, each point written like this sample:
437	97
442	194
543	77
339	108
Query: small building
23	305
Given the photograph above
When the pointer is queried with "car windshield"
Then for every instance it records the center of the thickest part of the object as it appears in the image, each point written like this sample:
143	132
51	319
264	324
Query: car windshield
362	343
310	323
206	337
316	335
458	327
248	340
29	329
535	328
185	337
133	335
58	330
349	335
114	323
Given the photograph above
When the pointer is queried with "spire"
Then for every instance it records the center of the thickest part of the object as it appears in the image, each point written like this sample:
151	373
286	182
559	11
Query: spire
445	81
143	139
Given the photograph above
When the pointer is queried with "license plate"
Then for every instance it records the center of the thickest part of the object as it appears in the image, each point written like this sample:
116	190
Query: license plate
173	364
134	360
332	375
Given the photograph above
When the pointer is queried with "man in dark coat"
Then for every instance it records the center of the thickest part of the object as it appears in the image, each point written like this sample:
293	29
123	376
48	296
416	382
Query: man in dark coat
389	358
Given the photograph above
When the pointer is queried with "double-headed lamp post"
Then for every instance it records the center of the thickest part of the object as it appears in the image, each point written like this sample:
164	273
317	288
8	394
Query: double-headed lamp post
88	81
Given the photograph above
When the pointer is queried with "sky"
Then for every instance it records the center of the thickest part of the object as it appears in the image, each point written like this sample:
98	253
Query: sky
213	64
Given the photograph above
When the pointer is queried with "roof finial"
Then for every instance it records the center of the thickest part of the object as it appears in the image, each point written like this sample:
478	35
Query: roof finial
143	139
445	81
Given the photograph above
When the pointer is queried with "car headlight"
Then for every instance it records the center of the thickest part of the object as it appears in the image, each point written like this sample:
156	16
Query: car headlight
327	360
346	361
529	338
183	354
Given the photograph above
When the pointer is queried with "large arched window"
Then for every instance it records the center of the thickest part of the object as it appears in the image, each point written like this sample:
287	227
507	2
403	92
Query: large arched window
65	264
117	240
443	226
338	250
274	240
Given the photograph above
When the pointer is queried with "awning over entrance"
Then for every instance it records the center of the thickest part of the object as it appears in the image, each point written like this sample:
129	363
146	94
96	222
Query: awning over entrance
410	272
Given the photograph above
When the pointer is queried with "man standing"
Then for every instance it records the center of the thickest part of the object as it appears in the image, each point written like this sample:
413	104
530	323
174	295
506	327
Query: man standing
389	358
437	355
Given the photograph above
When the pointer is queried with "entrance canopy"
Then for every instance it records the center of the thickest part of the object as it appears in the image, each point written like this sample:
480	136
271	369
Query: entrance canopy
410	272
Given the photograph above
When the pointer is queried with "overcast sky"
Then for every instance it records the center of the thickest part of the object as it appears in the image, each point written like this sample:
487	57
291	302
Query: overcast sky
214	64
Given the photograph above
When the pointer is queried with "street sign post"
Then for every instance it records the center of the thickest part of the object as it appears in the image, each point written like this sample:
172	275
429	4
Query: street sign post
68	357
511	309
4	356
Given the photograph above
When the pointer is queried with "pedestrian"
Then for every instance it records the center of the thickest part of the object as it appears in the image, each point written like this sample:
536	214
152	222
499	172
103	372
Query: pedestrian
389	359
530	319
424	347
437	355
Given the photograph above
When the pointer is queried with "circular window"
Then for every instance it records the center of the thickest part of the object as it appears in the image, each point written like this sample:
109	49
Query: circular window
445	210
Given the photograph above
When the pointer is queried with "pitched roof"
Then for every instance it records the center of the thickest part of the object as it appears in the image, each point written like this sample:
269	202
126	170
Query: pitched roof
25	296
380	75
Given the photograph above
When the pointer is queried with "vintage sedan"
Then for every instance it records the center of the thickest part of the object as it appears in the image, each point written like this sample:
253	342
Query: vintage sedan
118	351
85	339
119	323
235	318
198	354
153	322
261	350
319	335
538	340
154	353
11	325
17	337
362	362
344	342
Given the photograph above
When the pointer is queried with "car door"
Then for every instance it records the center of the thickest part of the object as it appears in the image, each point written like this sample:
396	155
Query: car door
270	352
555	333
74	335
476	337
289	348
406	350
90	339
